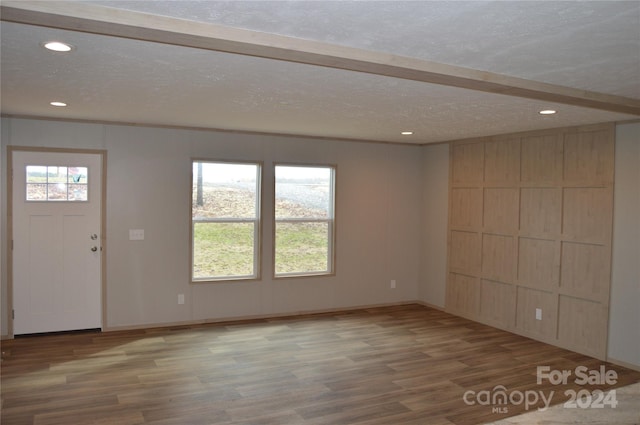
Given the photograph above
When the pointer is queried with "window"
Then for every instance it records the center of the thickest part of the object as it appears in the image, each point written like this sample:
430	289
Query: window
225	219
56	183
304	220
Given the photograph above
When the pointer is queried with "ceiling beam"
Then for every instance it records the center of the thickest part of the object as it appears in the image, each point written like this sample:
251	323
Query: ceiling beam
96	19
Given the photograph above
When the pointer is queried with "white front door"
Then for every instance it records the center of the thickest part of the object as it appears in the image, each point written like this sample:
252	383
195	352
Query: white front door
56	241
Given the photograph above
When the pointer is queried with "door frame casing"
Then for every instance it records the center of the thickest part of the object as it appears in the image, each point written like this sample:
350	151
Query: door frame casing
103	224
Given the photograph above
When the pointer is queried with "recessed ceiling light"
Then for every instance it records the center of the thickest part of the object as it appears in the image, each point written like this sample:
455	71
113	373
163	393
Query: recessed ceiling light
547	112
57	104
407	133
57	46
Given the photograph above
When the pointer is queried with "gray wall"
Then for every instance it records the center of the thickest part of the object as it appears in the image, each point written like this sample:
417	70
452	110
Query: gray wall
435	215
148	187
624	314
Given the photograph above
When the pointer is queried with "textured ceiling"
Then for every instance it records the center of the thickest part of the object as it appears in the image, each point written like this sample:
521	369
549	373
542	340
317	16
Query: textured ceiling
592	46
589	45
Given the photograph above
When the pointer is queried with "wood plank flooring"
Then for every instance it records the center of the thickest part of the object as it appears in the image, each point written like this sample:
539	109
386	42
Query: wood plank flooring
382	366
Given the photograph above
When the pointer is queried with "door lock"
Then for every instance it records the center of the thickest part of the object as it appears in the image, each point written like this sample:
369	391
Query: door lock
94	237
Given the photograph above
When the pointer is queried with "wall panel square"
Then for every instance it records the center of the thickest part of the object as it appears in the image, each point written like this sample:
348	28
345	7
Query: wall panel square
541	159
498	302
463	294
464	252
537	263
466	207
540	210
502	161
585	270
501	210
587	213
588	156
528	301
467	162
582	324
498	257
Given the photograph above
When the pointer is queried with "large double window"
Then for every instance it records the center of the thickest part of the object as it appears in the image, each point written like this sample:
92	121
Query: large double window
226	215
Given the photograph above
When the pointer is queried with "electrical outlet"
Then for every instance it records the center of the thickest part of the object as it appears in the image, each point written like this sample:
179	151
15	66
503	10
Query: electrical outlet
393	284
538	314
180	298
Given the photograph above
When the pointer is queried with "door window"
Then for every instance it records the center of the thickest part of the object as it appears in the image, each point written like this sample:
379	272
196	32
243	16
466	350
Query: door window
57	183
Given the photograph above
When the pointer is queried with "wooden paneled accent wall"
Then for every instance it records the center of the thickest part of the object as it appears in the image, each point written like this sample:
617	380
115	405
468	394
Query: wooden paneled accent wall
530	222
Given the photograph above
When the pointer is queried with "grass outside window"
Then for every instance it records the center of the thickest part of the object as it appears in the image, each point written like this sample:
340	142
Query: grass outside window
223	249
302	246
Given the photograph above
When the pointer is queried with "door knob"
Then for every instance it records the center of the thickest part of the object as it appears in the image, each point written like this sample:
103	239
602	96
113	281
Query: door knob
94	249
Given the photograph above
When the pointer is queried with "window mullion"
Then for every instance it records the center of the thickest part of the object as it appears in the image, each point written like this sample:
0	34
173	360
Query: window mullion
303	220
225	220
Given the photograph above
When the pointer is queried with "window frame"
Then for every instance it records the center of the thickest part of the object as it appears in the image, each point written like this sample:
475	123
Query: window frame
331	222
257	231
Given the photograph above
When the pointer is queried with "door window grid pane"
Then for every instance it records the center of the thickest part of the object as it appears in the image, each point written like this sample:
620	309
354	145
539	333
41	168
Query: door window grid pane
57	183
